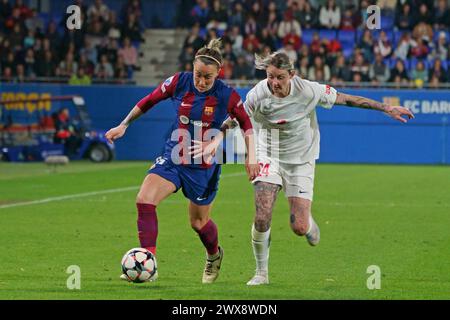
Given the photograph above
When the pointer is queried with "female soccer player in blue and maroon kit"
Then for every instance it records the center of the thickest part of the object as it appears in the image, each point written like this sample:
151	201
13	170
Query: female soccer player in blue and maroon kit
203	102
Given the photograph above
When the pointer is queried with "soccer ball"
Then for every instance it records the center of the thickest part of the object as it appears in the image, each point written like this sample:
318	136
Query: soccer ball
139	265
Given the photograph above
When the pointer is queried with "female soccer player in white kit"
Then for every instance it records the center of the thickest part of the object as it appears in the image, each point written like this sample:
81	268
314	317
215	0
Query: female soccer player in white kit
282	110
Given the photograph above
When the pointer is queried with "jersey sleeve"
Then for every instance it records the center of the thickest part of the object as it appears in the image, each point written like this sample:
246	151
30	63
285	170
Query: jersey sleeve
250	103
163	91
327	94
236	111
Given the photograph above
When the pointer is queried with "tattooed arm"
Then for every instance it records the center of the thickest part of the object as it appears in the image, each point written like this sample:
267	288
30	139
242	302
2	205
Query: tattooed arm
395	112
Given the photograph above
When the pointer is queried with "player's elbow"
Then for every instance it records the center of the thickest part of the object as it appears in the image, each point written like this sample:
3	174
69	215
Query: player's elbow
248	132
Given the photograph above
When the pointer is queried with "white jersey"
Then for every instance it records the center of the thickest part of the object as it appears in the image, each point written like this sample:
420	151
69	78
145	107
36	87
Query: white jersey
297	139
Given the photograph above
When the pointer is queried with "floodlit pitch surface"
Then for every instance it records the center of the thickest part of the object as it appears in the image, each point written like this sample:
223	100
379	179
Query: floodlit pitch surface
393	217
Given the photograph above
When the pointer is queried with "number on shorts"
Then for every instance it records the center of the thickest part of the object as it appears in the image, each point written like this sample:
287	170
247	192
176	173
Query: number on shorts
264	169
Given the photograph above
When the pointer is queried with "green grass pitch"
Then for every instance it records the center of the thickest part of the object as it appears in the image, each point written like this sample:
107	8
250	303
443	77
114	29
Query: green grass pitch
394	217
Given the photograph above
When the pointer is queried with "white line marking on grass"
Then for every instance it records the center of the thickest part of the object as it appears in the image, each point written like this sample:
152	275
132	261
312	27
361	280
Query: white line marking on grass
70	196
89	194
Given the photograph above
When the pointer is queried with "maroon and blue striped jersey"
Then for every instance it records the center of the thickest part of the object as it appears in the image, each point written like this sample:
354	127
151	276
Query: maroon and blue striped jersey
197	112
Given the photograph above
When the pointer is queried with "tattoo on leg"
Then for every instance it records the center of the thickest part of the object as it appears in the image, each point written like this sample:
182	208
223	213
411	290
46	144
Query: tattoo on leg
300	212
265	196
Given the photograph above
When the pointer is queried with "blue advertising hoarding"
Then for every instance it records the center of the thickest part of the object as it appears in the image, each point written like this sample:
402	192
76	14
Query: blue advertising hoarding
348	135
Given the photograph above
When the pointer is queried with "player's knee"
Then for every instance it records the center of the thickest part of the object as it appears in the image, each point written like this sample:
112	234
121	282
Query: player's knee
298	226
198	224
299	229
146	198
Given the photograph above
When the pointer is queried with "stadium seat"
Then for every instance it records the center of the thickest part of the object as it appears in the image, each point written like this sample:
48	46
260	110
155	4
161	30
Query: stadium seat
387	22
278	44
307	35
398	35
347	52
359	34
390	35
136	44
393	61
347	46
202	33
412	63
57	17
45	17
375	34
327	34
347	38
130	73
429	64
436	35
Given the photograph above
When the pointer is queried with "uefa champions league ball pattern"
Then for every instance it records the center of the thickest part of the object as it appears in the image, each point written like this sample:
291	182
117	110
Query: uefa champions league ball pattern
139	265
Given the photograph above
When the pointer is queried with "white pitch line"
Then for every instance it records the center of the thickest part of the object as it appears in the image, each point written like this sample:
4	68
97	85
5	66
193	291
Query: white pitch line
88	194
69	196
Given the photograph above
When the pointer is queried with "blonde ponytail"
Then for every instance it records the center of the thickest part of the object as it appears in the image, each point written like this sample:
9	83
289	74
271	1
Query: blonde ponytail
215	44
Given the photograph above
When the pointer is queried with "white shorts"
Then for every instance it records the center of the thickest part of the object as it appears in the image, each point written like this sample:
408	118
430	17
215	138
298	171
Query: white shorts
297	180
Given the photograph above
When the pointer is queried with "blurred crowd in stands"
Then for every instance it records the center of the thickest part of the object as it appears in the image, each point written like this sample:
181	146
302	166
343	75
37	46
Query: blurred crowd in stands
34	46
327	39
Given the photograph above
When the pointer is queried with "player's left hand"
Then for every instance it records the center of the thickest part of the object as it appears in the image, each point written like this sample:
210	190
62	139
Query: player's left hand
397	113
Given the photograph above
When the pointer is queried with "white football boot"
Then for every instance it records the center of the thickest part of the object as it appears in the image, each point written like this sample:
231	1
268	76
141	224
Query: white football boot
261	277
313	236
212	268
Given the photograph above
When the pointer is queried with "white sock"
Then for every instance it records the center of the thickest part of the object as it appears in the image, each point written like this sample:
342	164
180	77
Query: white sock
261	243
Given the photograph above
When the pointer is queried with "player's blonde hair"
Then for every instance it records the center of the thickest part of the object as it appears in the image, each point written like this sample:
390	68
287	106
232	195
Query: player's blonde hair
211	53
277	59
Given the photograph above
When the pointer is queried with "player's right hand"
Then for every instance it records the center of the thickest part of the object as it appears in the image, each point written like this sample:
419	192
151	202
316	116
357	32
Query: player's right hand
115	133
398	113
252	170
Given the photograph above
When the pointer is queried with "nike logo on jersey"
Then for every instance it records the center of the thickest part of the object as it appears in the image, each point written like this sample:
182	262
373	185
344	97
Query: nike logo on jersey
303	191
186	104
